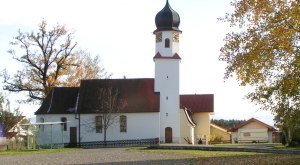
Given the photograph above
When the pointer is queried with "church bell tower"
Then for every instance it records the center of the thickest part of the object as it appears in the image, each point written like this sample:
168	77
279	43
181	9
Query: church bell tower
167	61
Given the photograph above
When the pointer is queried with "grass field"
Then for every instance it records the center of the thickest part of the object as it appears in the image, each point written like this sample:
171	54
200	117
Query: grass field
226	157
17	152
270	145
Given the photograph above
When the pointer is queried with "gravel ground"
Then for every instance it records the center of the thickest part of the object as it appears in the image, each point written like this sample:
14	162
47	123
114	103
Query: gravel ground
95	156
119	156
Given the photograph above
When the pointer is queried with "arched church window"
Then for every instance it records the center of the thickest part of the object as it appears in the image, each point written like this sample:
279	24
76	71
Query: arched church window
123	123
99	124
42	120
64	123
167	43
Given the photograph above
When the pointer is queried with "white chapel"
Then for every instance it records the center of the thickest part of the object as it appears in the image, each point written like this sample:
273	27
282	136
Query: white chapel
153	110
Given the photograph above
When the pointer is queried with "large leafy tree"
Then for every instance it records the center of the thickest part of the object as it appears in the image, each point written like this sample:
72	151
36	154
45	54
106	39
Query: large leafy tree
49	59
263	50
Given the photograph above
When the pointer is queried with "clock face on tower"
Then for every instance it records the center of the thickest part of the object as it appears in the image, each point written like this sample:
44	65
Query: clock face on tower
175	37
158	37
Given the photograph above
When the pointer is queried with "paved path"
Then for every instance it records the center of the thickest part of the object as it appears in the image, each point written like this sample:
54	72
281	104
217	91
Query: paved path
95	156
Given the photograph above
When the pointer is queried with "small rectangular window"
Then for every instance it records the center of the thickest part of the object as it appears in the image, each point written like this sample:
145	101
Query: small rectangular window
247	134
99	124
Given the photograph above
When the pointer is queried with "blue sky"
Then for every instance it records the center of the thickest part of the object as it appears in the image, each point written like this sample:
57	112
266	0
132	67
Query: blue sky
121	33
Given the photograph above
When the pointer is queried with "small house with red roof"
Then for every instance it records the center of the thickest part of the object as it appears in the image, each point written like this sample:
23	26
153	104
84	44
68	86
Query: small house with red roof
152	109
252	130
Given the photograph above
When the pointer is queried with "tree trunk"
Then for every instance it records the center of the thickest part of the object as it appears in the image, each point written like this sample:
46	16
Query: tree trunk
105	136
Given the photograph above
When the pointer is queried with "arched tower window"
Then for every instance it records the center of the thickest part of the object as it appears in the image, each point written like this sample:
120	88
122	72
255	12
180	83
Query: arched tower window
167	43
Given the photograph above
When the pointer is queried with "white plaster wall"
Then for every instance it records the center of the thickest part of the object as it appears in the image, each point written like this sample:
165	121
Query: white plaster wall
58	136
270	137
167	83
160	46
185	128
215	132
234	137
256	134
167	76
237	135
139	126
202	129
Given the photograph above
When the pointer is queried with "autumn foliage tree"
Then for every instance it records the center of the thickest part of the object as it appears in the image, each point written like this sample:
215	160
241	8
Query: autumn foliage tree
263	50
49	59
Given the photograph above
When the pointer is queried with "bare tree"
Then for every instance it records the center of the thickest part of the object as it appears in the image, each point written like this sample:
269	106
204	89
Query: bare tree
108	106
49	59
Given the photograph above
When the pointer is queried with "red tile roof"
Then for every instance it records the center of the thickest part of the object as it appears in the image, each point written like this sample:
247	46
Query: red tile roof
137	94
270	128
159	56
198	103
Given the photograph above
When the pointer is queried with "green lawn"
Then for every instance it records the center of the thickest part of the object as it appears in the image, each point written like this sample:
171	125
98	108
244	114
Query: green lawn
225	157
17	152
249	144
285	147
273	145
195	153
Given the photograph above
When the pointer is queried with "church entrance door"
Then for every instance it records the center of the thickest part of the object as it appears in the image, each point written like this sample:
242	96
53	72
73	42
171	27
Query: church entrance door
168	135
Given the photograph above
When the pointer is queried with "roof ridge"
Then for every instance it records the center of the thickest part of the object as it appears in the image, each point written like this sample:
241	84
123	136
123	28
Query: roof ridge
247	122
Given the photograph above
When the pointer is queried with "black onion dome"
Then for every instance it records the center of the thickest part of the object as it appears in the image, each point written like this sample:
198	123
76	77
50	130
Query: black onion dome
167	19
